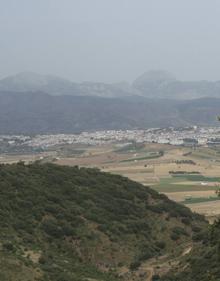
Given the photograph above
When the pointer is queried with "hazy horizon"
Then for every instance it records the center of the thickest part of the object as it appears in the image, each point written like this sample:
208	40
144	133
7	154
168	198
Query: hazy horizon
26	73
110	41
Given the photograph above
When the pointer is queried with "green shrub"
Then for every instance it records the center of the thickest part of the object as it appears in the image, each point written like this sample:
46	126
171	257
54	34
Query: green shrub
134	265
8	246
51	227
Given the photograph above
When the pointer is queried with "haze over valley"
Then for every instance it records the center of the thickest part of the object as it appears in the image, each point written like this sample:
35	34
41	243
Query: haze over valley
109	140
33	104
156	84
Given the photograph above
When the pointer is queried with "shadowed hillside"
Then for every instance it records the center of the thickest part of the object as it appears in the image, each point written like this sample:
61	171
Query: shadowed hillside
34	113
61	223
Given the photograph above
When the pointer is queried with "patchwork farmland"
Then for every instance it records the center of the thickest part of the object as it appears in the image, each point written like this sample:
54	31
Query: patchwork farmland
187	175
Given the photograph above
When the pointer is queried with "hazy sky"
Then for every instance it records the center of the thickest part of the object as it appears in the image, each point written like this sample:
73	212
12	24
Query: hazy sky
110	40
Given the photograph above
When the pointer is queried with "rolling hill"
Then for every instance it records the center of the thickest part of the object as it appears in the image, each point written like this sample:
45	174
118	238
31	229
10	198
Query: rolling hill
37	112
68	224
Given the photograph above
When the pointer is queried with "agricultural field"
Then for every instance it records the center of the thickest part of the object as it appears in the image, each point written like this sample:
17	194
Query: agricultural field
190	176
187	175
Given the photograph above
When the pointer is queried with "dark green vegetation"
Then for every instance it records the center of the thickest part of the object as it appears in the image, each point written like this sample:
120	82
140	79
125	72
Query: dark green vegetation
180	173
203	264
194	200
69	224
188	161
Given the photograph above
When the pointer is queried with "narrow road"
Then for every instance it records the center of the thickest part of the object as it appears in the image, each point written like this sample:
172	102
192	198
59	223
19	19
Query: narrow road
150	274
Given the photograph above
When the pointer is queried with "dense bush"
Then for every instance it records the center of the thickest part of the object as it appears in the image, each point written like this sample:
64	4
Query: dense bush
77	218
203	263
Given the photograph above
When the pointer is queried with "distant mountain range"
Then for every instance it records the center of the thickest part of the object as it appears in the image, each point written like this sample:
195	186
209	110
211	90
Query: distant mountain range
37	112
53	85
153	84
160	84
32	103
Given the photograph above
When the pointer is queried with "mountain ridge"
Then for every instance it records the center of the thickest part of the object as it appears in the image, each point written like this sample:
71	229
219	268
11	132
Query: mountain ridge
155	84
40	113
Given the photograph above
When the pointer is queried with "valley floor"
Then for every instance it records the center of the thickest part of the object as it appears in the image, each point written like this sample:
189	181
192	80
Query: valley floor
187	175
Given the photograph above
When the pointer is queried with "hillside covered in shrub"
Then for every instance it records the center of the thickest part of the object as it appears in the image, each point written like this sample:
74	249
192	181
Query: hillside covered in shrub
60	223
203	264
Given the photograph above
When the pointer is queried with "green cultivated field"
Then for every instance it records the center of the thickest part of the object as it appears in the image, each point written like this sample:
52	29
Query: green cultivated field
196	178
150	156
174	184
200	200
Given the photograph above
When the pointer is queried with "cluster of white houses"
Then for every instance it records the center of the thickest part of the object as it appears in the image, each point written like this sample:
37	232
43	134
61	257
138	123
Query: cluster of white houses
188	136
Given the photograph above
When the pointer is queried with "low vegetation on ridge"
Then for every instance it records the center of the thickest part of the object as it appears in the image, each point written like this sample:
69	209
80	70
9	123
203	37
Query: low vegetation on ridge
60	223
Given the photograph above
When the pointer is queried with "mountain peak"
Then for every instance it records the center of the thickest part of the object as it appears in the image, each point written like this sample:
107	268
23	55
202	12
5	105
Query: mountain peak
31	81
25	78
155	76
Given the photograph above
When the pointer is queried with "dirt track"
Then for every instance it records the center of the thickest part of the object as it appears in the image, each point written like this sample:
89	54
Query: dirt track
162	264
